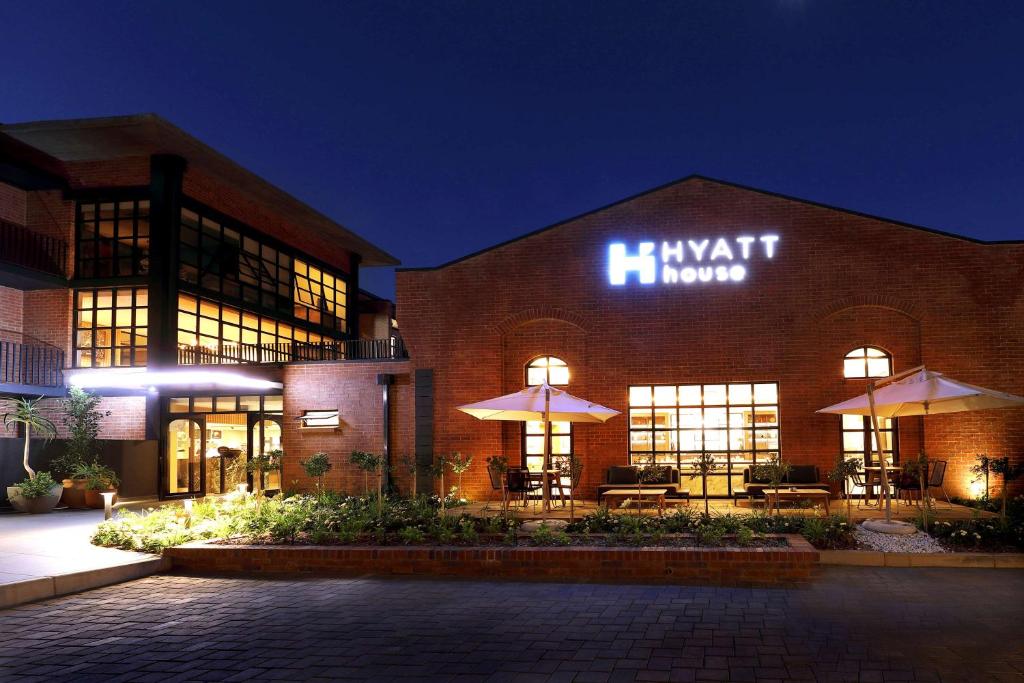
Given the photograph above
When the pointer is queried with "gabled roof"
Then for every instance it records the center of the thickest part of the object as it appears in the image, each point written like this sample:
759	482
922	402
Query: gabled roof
726	183
116	137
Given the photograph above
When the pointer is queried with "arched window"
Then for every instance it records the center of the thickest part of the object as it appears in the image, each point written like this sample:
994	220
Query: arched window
867	361
555	372
548	369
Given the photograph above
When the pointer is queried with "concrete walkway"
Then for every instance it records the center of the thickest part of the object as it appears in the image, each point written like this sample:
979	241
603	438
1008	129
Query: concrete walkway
46	555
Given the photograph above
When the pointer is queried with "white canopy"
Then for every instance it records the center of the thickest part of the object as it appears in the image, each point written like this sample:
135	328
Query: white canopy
926	393
529	404
540	402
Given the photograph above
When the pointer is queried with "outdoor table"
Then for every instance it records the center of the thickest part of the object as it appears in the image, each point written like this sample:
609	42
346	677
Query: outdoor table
548	478
791	494
872	472
615	497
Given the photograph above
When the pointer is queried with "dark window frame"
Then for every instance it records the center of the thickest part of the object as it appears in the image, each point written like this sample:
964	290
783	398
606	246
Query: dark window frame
731	468
551	435
89	246
138	352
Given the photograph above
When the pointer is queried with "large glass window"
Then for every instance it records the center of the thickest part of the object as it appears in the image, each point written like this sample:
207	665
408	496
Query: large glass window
237	265
555	372
209	332
110	327
319	296
113	238
867	361
672	424
859	439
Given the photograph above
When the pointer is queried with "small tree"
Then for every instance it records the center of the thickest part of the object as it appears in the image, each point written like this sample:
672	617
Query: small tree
411	467
28	413
459	464
773	471
645	473
703	466
571	467
1008	472
81	418
363	461
841	474
980	469
438	470
259	465
317	465
918	468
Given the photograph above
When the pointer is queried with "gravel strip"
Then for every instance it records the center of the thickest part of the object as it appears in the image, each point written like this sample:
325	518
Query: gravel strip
894	543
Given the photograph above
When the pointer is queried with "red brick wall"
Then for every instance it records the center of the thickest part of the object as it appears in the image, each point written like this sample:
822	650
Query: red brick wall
12	204
837	282
350	388
10	314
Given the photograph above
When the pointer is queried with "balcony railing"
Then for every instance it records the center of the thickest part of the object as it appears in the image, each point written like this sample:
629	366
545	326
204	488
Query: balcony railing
22	247
31	365
358	349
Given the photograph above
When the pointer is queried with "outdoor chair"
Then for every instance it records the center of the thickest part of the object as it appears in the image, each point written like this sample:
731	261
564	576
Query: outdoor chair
936	476
866	487
497	484
520	484
907	487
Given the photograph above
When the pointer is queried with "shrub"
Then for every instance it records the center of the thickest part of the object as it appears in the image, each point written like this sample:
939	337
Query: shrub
410	535
97	477
38	487
744	536
710	532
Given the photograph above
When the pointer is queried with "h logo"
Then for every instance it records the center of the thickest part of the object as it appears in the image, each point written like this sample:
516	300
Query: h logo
643	264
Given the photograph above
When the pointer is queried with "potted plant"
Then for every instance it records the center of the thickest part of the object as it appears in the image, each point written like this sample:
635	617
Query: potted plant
28	413
81	419
99	479
36	494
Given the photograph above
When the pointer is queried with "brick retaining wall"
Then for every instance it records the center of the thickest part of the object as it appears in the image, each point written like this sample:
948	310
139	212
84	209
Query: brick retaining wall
795	564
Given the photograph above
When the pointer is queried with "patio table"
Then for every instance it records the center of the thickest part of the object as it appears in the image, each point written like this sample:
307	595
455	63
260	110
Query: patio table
550	478
791	495
615	497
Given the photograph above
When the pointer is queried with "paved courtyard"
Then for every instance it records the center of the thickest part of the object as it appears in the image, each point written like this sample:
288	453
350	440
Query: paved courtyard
852	625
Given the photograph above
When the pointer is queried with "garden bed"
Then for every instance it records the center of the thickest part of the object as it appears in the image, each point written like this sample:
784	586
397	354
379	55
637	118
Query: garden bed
793	561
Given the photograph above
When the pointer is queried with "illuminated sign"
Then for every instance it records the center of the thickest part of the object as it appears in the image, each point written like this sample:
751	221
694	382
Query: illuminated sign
689	262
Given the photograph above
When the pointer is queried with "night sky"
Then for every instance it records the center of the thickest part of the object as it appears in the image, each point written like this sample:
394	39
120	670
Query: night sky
435	129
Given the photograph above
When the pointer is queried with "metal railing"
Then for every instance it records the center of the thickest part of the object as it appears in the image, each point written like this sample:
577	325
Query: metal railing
31	364
22	247
391	348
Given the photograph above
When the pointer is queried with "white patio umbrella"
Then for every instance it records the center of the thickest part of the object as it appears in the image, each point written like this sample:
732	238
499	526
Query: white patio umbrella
918	391
540	402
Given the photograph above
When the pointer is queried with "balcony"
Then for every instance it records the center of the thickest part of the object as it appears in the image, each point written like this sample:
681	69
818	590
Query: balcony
29	260
391	348
31	369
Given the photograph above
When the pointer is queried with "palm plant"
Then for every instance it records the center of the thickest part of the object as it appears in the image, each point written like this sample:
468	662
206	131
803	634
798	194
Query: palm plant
703	466
28	413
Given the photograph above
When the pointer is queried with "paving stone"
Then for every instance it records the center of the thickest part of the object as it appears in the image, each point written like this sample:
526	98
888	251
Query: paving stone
853	624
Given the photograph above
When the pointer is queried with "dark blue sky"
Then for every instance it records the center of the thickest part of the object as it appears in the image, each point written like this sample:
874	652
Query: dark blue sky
436	129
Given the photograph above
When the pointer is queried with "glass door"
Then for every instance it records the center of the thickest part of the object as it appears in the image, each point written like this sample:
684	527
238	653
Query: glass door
265	436
227	443
184	464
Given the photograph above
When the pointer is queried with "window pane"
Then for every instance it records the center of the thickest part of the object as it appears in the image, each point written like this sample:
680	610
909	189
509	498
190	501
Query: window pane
665	396
740	394
766	393
640	418
714	394
853	367
640	396
853	421
689	395
878	367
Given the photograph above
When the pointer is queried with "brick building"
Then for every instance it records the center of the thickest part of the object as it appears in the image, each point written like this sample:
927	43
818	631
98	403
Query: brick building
714	317
141	264
720	317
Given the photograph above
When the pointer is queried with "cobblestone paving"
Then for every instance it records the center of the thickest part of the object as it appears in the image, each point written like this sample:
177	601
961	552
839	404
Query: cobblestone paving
851	625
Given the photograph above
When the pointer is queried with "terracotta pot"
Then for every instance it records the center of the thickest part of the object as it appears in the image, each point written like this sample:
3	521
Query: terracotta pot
73	495
34	505
94	499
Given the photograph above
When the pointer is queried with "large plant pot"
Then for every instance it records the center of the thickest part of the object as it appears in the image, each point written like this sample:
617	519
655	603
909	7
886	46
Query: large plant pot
94	499
73	494
34	506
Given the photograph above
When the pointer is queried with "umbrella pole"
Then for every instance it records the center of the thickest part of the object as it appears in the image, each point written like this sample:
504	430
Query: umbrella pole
547	455
884	480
